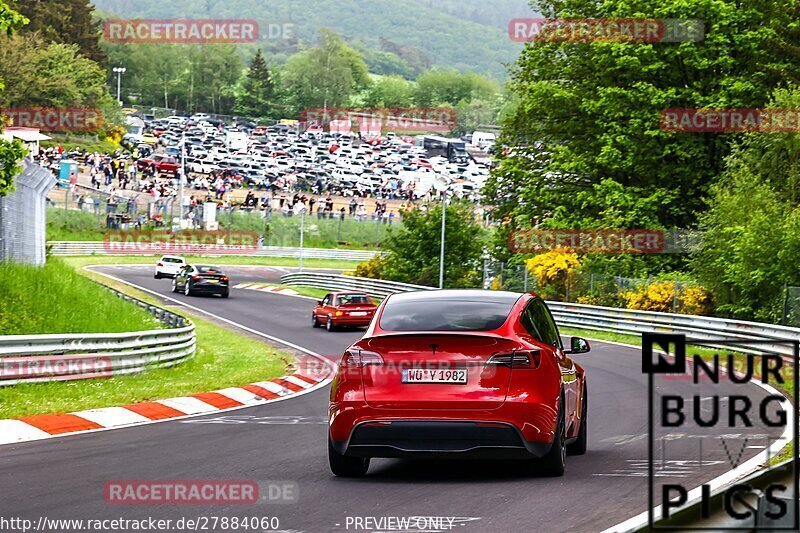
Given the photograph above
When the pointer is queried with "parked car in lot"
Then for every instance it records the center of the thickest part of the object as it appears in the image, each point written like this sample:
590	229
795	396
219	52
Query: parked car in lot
460	373
168	266
165	164
201	279
338	309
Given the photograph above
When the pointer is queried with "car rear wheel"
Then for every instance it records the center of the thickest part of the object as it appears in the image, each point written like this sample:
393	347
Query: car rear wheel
554	463
343	466
156	276
329	325
579	446
314	321
225	294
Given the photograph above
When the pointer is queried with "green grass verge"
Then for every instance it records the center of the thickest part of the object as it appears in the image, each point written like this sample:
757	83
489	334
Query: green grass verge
223	359
56	299
707	353
84	260
311	292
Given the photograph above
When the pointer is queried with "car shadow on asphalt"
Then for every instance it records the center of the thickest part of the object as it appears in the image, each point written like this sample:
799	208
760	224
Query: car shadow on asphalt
458	470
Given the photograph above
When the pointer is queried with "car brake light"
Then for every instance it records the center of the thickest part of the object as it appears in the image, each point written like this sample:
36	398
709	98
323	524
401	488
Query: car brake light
517	359
359	357
159	264
197	278
224	278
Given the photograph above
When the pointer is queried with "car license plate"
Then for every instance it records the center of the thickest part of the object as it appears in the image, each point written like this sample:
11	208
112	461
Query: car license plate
212	281
429	375
358	313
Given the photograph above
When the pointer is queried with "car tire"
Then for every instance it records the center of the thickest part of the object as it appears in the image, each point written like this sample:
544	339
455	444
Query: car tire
187	289
329	325
314	321
343	466
554	463
174	285
579	446
156	276
225	294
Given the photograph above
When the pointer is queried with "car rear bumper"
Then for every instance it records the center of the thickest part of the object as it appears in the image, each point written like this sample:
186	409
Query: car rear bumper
210	288
354	321
437	438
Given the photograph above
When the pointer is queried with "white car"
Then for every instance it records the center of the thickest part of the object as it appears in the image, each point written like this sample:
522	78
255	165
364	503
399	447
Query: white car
168	266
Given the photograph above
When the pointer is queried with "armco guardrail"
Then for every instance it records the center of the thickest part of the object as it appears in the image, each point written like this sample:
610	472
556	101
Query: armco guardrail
374	287
61	357
99	248
702	330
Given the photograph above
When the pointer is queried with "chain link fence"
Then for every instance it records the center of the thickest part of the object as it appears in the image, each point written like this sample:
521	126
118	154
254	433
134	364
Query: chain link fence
664	295
80	213
22	216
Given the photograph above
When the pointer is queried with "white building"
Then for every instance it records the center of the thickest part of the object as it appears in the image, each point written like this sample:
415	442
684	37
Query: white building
30	137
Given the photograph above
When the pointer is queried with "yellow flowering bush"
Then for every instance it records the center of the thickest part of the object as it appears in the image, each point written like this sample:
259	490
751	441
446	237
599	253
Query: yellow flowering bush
554	271
696	300
659	296
654	297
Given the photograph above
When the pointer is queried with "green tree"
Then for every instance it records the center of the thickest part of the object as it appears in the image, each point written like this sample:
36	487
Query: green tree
751	238
11	152
45	74
590	112
325	76
255	96
389	91
414	250
66	22
450	87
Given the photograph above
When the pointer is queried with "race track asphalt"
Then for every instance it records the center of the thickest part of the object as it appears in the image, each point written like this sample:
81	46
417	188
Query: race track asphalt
286	441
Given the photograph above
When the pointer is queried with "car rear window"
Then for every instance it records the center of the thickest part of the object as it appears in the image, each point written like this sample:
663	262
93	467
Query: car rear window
444	315
209	270
171	260
345	299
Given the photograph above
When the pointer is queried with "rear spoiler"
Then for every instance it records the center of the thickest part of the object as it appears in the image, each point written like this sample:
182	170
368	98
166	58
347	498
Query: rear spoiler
435	334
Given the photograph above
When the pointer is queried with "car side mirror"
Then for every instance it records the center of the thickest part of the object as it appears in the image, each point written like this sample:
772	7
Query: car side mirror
578	345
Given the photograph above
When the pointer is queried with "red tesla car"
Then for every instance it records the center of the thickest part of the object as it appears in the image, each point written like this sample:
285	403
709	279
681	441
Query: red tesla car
459	373
337	309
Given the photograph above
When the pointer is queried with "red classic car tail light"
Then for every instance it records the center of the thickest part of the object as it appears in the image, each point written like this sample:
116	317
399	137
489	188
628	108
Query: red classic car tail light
358	357
517	359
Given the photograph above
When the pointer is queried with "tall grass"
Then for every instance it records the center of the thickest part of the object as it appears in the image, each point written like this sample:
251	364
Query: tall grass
56	299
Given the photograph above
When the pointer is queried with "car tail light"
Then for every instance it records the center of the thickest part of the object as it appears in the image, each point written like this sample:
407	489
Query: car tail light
224	278
517	359
197	278
358	357
159	264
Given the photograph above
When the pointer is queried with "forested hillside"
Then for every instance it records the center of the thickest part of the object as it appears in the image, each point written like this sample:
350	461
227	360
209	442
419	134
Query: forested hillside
463	34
